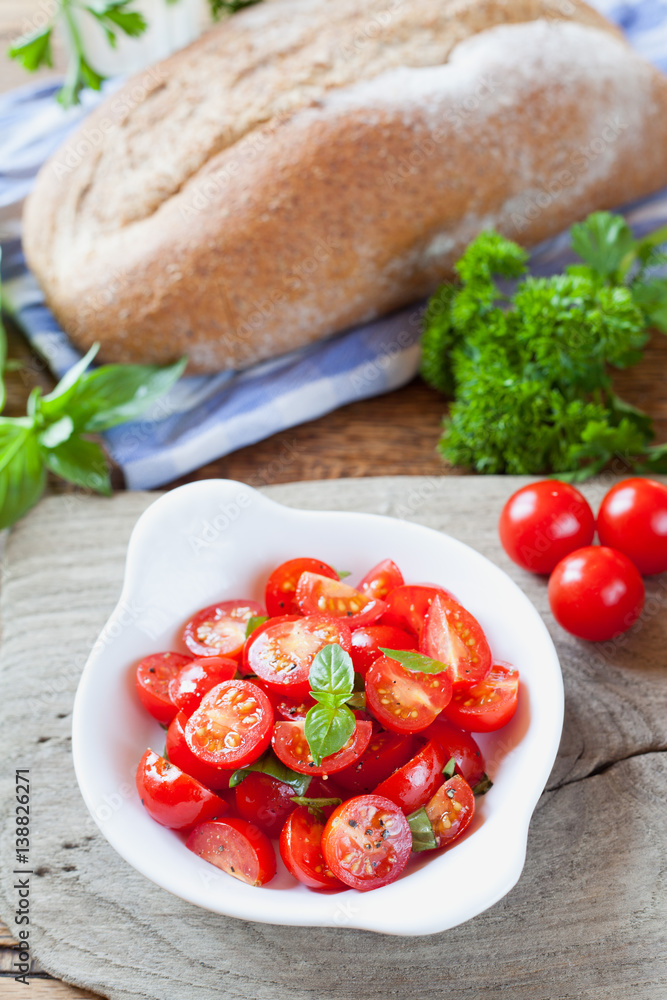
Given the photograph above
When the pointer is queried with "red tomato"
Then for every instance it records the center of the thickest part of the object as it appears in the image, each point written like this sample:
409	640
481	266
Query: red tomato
543	522
264	801
289	708
291	747
237	847
380	580
368	641
180	754
486	706
301	850
408	606
281	586
219	630
367	842
596	593
232	726
281	650
450	810
413	784
317	594
402	700
452	636
173	798
461	746
633	519
385	753
152	682
196	678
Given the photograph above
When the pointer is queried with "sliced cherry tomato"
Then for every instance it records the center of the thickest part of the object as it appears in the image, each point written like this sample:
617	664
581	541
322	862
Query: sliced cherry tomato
301	849
543	522
289	708
596	593
452	636
633	519
236	847
281	650
219	630
450	810
461	746
317	594
152	682
367	842
173	798
280	595
232	726
412	785
291	747
180	754
385	753
402	700
408	606
382	579
195	679
368	641
264	801
486	706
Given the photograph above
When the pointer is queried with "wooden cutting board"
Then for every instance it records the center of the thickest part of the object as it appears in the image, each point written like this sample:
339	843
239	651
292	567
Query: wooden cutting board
588	918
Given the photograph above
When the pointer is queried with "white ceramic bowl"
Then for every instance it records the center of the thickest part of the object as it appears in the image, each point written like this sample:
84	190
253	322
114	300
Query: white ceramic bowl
219	539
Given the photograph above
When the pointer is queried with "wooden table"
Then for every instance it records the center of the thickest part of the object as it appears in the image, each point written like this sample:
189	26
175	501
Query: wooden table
394	434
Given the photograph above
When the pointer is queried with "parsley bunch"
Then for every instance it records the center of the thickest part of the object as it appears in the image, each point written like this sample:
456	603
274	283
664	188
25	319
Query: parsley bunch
529	372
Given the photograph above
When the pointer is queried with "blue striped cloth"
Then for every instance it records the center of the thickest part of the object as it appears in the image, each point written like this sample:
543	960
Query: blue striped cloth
205	417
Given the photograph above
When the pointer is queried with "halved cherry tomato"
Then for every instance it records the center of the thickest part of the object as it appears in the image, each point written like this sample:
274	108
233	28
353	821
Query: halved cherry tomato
450	810
461	746
402	700
219	630
385	753
281	650
452	636
367	842
232	726
291	747
368	640
317	594
413	784
236	847
301	850
173	798
408	606
152	683
289	708
486	706
280	594
264	801
382	579
195	679
180	754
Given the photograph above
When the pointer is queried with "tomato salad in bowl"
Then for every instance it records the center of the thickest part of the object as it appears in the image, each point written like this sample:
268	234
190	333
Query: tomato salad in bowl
334	720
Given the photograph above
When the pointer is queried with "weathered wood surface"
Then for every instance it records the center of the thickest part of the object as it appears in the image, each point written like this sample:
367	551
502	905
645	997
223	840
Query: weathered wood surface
588	918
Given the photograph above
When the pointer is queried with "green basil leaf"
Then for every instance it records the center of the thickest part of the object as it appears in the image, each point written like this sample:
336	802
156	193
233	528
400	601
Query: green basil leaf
57	433
483	785
332	672
423	837
357	700
22	471
254	622
416	662
81	462
342	573
269	764
328	729
303	800
450	767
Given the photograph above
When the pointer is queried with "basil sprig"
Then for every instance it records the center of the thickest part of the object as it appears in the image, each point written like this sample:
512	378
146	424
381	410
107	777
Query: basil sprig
269	764
417	663
51	435
330	723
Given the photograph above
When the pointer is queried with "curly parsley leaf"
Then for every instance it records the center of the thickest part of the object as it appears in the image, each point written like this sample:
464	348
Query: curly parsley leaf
604	241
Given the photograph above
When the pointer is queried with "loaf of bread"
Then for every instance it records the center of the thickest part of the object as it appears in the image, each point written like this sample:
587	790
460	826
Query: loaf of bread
308	165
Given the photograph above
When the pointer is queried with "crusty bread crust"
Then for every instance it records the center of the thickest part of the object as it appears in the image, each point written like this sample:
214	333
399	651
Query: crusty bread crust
304	167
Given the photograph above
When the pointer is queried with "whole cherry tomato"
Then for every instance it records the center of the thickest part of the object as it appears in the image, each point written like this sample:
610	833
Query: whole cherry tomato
596	593
633	519
543	522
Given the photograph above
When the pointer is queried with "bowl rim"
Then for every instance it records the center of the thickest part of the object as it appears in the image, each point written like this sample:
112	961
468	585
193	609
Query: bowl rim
381	916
